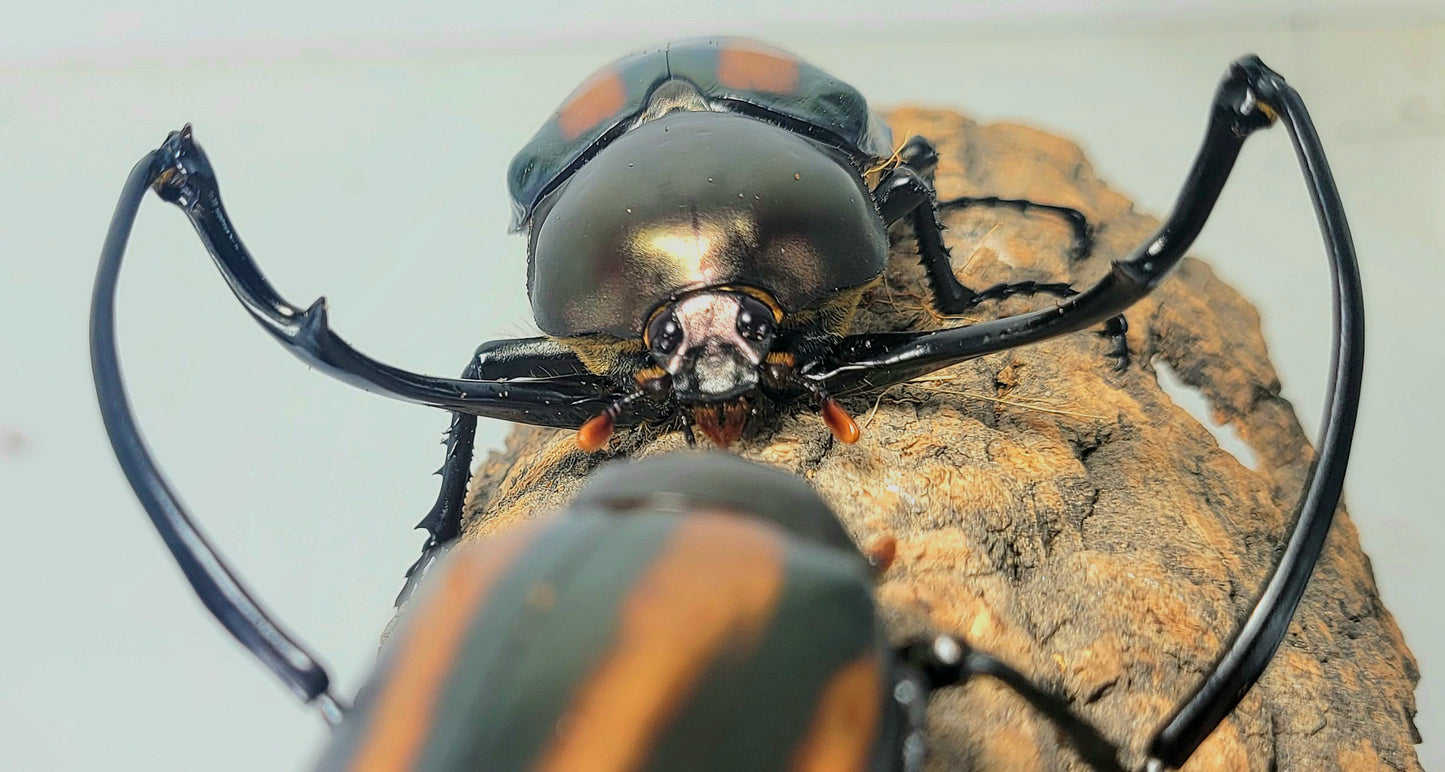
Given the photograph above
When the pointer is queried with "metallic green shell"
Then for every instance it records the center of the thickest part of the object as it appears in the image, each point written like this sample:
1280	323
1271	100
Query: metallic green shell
819	105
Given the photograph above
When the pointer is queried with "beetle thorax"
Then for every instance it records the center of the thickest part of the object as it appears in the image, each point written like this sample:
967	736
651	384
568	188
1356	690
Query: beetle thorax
693	200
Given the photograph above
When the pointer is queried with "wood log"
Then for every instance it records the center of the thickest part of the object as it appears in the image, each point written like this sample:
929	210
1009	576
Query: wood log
1067	518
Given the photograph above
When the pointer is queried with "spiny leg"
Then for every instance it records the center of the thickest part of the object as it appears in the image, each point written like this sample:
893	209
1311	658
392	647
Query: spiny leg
523	358
1251	97
920	155
1082	246
905	194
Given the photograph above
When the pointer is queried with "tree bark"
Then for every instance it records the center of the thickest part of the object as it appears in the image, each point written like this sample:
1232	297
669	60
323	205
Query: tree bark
1067	518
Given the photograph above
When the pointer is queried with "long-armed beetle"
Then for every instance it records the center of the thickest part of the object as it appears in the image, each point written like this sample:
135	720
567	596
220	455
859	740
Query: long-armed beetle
701	221
759	313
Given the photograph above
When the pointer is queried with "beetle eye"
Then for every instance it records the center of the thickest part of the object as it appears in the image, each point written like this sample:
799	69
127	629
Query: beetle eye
755	320
664	334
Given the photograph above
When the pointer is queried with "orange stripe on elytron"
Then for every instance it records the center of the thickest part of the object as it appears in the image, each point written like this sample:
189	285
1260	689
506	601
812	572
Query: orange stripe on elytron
845	724
599	98
752	67
718	579
401	715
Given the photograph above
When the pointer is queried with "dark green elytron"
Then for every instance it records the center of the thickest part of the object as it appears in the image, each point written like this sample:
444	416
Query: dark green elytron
692	612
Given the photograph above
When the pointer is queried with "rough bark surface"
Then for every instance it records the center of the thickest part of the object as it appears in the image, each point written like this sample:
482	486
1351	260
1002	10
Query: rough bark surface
1072	520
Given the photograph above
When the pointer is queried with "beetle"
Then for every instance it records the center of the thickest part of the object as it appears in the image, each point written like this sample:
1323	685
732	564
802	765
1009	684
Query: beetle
701	221
787	336
689	611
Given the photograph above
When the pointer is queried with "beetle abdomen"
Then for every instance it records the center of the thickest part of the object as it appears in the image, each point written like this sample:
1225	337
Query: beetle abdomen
694	200
591	642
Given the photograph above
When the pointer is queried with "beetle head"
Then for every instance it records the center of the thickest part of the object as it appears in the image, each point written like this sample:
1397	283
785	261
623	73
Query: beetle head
712	344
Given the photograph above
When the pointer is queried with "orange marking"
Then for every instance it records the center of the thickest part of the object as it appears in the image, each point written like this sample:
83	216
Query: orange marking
839	422
750	67
713	587
602	96
594	433
402	714
845	723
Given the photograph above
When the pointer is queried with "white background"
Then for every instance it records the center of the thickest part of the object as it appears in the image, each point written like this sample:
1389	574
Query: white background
362	154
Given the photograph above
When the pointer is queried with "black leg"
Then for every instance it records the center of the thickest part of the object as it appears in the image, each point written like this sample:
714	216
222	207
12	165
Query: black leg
552	393
946	661
885	358
214	582
521	358
182	175
1251	97
905	194
1257	640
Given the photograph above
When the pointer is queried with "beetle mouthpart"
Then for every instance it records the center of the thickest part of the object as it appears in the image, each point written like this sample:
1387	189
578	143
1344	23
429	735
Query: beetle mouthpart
842	425
594	433
723	424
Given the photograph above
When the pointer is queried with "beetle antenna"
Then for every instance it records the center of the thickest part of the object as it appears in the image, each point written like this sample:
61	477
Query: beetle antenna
839	422
593	434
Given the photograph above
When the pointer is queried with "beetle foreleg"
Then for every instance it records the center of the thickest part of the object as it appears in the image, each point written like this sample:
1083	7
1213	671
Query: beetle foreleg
184	176
207	571
1250	97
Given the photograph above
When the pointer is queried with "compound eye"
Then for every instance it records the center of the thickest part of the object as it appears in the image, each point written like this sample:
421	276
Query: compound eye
755	320
664	333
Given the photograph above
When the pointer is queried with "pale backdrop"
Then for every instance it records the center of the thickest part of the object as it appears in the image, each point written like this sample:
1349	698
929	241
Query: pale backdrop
363	155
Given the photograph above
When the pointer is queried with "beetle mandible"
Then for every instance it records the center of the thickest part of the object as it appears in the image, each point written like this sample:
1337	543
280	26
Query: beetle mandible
752	319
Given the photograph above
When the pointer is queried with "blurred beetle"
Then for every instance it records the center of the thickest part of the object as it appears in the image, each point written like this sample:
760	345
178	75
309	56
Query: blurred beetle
687	612
701	304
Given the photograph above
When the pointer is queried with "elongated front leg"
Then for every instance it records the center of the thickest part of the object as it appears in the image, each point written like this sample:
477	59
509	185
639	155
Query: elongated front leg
181	174
204	567
544	398
1251	97
905	194
532	358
